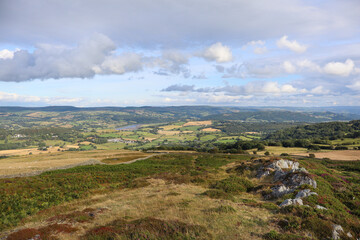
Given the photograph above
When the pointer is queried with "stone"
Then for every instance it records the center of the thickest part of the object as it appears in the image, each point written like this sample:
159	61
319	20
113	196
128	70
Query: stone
284	164
279	175
305	193
288	202
297	179
280	190
320	207
263	173
337	230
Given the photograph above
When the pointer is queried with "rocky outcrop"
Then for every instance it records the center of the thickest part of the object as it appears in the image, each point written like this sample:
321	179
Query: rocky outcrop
289	202
295	180
305	193
290	176
284	164
280	190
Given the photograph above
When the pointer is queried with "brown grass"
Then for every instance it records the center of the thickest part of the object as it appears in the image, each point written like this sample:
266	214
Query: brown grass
346	155
210	130
168	202
197	123
32	163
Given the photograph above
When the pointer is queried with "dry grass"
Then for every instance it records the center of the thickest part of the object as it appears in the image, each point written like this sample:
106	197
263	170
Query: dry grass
26	151
166	202
168	133
197	123
346	155
169	127
210	130
39	162
278	150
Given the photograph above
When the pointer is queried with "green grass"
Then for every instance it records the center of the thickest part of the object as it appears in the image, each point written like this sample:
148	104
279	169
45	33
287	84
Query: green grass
26	196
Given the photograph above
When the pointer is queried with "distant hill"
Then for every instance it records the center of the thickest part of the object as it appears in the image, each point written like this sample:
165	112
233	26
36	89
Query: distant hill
149	114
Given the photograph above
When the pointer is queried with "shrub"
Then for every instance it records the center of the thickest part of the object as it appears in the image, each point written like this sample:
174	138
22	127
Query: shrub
234	184
218	194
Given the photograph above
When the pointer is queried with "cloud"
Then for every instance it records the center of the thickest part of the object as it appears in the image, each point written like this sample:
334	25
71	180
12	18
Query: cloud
289	67
49	61
292	45
179	88
217	52
354	86
7	54
339	68
319	90
260	50
249	88
92	56
128	62
172	61
258	46
16	98
142	23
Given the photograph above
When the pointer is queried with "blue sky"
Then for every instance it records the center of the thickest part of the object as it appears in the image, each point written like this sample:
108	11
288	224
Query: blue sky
189	52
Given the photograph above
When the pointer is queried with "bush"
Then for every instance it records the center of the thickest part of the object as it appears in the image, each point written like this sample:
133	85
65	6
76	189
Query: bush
218	194
234	185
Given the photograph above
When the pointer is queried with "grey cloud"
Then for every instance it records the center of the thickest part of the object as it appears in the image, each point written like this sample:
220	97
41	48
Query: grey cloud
220	68
174	62
200	76
90	57
150	23
179	88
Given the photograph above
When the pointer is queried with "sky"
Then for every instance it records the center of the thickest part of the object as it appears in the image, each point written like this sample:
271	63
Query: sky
301	53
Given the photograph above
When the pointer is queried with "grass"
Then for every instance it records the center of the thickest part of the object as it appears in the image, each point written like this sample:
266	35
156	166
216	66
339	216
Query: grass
192	195
27	196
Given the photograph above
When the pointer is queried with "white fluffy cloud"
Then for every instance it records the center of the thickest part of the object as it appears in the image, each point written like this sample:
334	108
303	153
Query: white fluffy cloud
354	86
292	45
339	68
128	62
7	54
289	67
217	52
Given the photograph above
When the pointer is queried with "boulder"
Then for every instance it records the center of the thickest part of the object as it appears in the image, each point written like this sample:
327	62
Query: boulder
305	193
337	231
288	202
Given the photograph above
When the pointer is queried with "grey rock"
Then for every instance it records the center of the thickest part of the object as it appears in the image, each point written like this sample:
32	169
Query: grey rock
298	179
263	173
320	207
279	175
284	164
288	202
305	193
280	190
337	230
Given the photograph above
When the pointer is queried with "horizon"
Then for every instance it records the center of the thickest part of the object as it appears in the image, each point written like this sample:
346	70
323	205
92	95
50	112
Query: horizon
229	53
